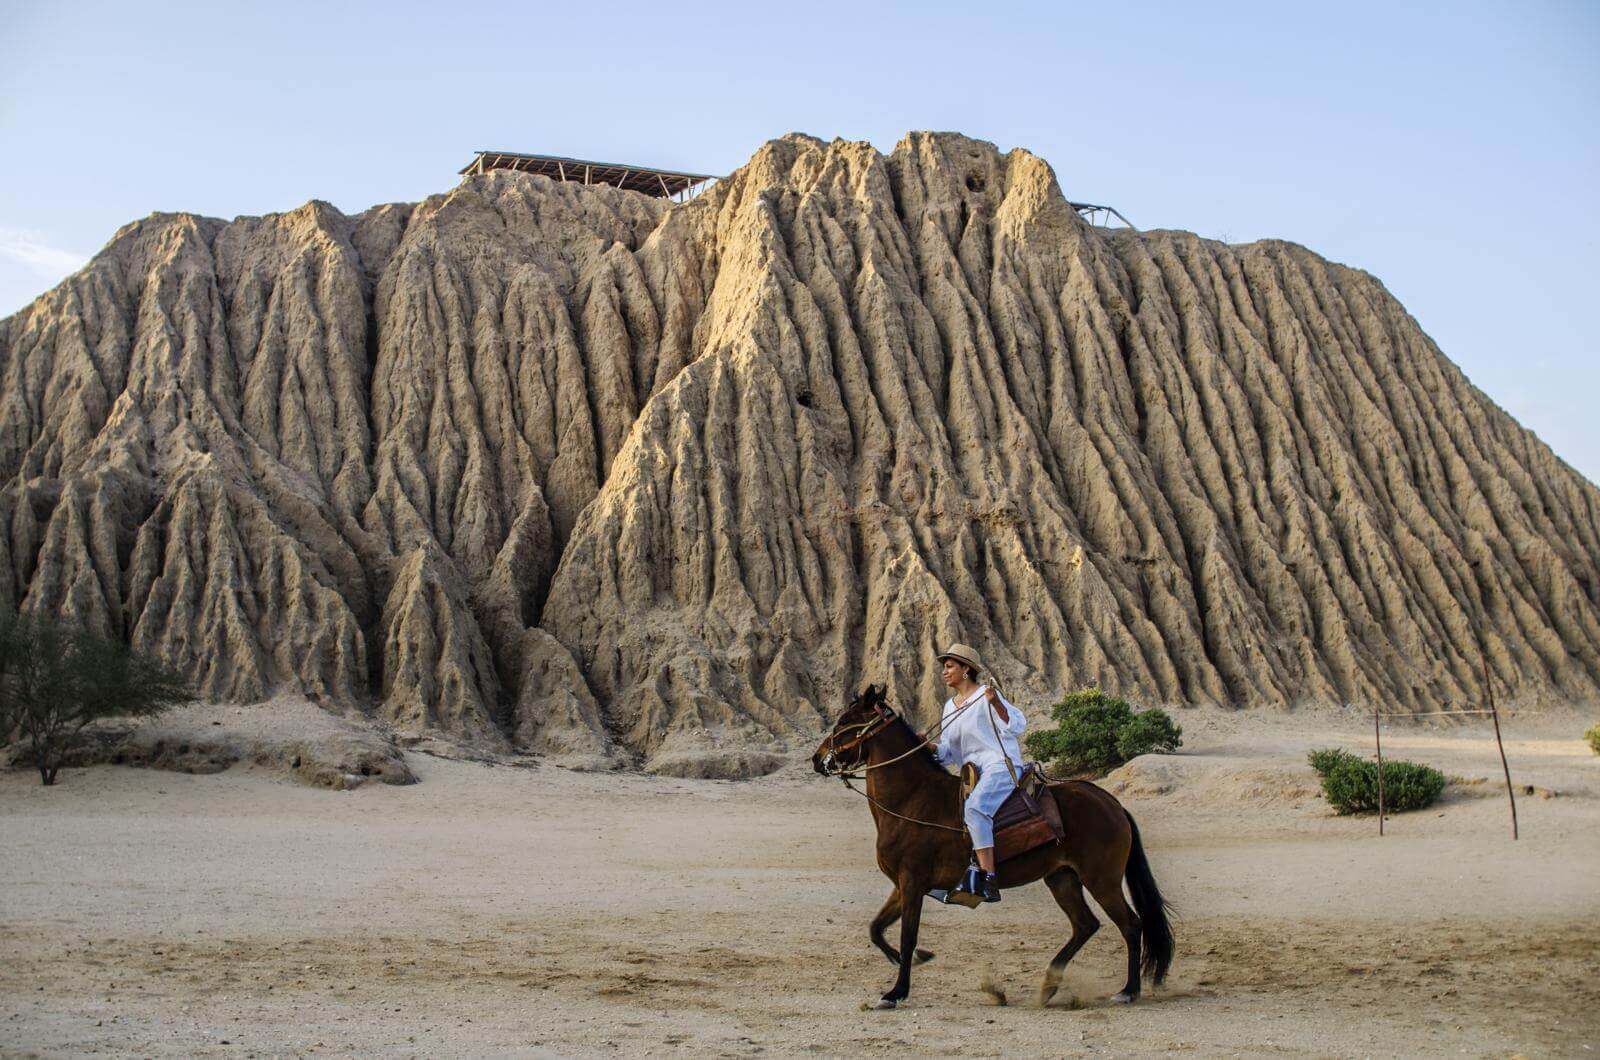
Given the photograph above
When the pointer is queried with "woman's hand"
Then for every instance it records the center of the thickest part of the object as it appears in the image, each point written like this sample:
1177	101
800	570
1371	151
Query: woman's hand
994	701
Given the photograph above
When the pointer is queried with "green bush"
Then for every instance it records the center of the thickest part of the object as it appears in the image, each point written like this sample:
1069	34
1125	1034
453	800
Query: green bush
1096	732
1325	758
1351	784
1593	736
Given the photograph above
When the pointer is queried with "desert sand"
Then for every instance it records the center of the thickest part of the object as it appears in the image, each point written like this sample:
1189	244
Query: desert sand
521	907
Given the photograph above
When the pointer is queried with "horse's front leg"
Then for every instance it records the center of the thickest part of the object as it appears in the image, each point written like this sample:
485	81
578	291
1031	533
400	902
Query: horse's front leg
910	920
886	916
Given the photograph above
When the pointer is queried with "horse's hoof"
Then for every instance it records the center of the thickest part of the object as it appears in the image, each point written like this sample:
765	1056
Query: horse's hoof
883	1004
923	956
1046	993
1124	998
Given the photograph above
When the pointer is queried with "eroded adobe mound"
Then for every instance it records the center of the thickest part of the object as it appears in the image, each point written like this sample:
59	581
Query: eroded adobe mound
572	470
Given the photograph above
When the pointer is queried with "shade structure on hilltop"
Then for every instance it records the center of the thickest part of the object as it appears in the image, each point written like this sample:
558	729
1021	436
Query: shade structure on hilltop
648	180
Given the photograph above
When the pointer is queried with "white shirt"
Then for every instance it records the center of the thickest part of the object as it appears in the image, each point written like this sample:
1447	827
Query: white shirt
970	737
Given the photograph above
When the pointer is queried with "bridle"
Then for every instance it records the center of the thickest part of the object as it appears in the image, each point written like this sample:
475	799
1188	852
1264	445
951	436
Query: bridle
882	717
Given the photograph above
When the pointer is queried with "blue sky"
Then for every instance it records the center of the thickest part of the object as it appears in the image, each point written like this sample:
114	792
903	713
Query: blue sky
1452	149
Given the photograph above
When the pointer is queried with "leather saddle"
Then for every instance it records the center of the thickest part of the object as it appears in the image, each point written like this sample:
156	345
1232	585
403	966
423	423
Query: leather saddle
1027	820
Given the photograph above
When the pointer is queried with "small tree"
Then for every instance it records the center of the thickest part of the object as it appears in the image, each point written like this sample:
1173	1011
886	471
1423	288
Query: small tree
1593	736
55	681
1096	732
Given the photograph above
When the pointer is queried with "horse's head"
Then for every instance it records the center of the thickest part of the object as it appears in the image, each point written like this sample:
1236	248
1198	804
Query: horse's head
844	748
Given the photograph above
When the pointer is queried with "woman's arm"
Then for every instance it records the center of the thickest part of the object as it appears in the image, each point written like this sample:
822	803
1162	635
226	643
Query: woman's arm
1017	722
998	704
1006	711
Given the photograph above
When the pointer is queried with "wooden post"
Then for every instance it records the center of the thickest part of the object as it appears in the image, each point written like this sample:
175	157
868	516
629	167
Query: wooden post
1377	740
1495	714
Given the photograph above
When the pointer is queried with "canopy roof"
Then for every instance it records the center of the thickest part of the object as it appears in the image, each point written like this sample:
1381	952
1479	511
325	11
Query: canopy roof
648	180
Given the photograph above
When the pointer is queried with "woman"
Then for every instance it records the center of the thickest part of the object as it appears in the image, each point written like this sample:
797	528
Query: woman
984	733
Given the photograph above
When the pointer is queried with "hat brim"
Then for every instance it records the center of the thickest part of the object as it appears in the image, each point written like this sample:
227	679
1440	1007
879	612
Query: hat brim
961	659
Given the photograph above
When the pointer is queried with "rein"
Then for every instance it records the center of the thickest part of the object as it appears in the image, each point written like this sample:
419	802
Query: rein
880	806
882	722
869	729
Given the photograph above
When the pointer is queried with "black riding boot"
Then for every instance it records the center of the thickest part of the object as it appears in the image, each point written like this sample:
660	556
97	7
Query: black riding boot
989	887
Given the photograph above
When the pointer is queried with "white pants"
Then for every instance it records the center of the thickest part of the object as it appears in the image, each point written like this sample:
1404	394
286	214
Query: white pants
994	785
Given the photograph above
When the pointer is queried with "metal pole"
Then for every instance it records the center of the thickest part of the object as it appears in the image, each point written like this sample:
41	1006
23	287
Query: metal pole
1495	714
1377	739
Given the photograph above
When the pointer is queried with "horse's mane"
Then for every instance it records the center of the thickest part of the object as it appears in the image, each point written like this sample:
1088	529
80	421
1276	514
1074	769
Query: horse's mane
925	752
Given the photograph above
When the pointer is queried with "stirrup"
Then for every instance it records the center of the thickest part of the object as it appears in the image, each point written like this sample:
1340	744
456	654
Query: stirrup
969	892
959	897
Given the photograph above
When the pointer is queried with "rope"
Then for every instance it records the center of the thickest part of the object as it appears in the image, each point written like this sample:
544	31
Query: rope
878	805
1431	714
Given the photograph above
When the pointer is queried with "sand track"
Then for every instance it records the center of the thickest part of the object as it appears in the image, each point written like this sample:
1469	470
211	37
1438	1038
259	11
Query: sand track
1411	981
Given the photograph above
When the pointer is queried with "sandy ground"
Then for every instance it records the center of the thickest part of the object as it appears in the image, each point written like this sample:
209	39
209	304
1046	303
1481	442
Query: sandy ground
492	909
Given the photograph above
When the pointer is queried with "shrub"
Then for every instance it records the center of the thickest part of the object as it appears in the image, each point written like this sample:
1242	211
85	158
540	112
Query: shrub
1096	732
1593	736
1325	758
1351	785
55	680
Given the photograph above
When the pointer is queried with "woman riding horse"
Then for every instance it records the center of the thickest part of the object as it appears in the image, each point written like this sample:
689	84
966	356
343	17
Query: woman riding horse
922	846
986	737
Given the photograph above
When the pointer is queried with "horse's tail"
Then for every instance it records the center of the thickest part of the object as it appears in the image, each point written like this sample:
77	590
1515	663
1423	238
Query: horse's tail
1154	929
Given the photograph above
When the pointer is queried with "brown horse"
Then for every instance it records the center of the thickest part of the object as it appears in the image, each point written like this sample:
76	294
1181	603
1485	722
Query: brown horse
922	845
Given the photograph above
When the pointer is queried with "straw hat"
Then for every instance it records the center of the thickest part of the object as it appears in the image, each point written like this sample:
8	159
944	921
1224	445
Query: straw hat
962	653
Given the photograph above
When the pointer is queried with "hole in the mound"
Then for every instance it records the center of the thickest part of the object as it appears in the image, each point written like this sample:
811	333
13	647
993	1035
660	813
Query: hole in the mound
975	182
294	763
366	770
183	748
804	397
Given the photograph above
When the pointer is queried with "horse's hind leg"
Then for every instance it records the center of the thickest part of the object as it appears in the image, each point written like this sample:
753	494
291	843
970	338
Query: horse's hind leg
1068	889
880	923
1108	892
